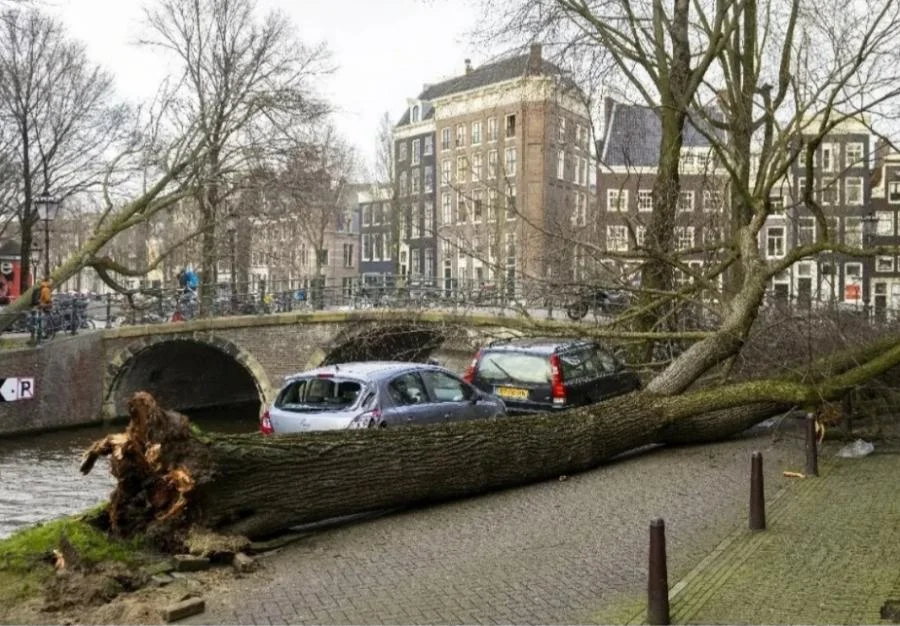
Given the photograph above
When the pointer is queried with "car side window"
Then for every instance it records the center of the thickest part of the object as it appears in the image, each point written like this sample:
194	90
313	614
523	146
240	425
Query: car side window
407	389
579	364
446	388
606	362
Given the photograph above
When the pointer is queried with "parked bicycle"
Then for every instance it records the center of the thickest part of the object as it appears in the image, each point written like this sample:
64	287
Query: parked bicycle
600	301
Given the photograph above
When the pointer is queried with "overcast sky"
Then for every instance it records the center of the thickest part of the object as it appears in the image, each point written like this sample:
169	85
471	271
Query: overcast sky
384	50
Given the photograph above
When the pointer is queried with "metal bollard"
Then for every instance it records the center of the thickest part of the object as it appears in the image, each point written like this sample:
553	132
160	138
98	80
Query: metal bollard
757	493
658	578
812	453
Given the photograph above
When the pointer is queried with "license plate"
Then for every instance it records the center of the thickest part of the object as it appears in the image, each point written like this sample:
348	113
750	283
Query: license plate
512	392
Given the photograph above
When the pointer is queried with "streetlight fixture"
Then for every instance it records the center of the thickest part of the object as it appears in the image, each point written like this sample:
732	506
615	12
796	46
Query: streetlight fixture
869	225
47	207
231	229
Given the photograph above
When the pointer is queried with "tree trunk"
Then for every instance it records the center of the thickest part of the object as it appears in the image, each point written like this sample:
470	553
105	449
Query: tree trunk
170	478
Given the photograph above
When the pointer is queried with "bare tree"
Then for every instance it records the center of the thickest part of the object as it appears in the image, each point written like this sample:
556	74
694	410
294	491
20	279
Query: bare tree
60	108
244	83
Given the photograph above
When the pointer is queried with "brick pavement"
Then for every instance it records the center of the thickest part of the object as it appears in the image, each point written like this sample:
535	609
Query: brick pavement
570	551
830	553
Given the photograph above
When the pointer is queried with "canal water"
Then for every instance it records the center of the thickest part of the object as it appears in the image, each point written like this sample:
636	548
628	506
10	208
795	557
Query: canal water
39	477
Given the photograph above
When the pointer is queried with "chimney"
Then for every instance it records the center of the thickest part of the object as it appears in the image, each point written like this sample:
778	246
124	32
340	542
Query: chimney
468	65
534	60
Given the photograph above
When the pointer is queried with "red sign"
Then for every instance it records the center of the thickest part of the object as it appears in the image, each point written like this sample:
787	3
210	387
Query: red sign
851	292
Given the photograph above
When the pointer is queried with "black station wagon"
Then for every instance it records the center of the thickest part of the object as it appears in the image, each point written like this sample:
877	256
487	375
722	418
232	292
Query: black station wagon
534	375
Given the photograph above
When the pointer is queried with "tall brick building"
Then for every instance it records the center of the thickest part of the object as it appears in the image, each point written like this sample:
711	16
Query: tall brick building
513	173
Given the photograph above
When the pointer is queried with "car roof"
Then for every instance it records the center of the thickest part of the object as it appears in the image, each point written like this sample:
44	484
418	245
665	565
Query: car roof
537	345
364	369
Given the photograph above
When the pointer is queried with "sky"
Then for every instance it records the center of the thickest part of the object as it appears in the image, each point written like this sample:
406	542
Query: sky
383	50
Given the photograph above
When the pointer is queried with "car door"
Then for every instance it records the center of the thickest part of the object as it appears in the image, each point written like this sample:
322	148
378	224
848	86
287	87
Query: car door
412	403
611	378
457	399
578	376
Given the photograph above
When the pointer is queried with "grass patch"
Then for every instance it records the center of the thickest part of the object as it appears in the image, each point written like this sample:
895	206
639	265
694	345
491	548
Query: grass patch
26	556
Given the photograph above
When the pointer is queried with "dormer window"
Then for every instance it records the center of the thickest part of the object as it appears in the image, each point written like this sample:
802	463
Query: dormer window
414	114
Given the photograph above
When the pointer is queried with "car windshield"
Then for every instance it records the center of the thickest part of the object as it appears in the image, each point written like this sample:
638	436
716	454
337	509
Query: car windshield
514	367
318	394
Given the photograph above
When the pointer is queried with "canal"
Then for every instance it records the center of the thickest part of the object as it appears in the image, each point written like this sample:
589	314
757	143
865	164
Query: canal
39	477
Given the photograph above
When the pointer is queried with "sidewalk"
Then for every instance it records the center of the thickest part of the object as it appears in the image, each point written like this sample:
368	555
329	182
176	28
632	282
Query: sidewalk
830	554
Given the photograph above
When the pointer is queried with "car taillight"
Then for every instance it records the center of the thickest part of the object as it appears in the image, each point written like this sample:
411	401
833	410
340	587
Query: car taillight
469	374
265	424
557	388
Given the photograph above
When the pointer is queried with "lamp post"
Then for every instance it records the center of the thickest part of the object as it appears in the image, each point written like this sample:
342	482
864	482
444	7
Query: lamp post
869	224
47	208
231	228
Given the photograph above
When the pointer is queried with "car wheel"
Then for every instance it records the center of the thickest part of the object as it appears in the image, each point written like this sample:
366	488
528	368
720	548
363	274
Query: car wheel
577	311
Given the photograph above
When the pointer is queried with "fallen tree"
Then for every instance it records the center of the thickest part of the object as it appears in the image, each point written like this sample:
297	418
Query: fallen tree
171	477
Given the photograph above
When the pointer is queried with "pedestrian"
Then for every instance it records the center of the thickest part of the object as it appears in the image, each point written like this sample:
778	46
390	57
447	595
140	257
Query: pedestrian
45	295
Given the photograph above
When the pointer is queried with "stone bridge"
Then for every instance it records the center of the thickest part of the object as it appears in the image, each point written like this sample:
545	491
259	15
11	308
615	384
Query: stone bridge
223	361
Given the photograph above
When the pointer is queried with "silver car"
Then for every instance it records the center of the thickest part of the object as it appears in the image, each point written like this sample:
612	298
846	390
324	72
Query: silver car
375	394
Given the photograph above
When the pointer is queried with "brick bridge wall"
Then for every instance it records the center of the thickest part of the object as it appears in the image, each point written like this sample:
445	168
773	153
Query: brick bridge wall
86	379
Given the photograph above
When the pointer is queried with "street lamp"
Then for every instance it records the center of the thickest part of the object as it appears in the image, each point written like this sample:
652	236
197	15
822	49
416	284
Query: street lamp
47	207
231	228
869	224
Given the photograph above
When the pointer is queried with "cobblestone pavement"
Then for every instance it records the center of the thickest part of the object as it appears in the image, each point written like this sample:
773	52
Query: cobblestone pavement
572	551
830	553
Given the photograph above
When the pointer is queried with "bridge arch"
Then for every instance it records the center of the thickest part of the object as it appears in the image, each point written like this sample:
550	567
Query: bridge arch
185	372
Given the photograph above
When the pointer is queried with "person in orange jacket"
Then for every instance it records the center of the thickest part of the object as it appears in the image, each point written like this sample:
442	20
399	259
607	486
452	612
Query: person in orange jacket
45	297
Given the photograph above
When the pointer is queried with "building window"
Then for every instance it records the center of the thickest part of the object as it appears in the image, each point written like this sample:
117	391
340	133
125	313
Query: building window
414	116
645	200
561	164
853	155
511	208
445	139
510	161
806	231
640	236
884	264
322	256
492	129
429	178
348	255
774	242
446	172
367	247
616	238
462	169
462	211
852	231
477	167
616	199
415	223
685	201
829	156
712	201
492	205
894	193
376	214
684	237
429	262
416	262
404	184
712	235
460	135
367	215
416	151
579	214
885	227
831	191
476	133
415	180
492	164
477	208
583	169
378	252
428	148
446	208
776	204
402	156
853	271
511	125
561	129
428	229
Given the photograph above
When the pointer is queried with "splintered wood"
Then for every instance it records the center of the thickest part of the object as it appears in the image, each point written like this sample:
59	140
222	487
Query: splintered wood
150	482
